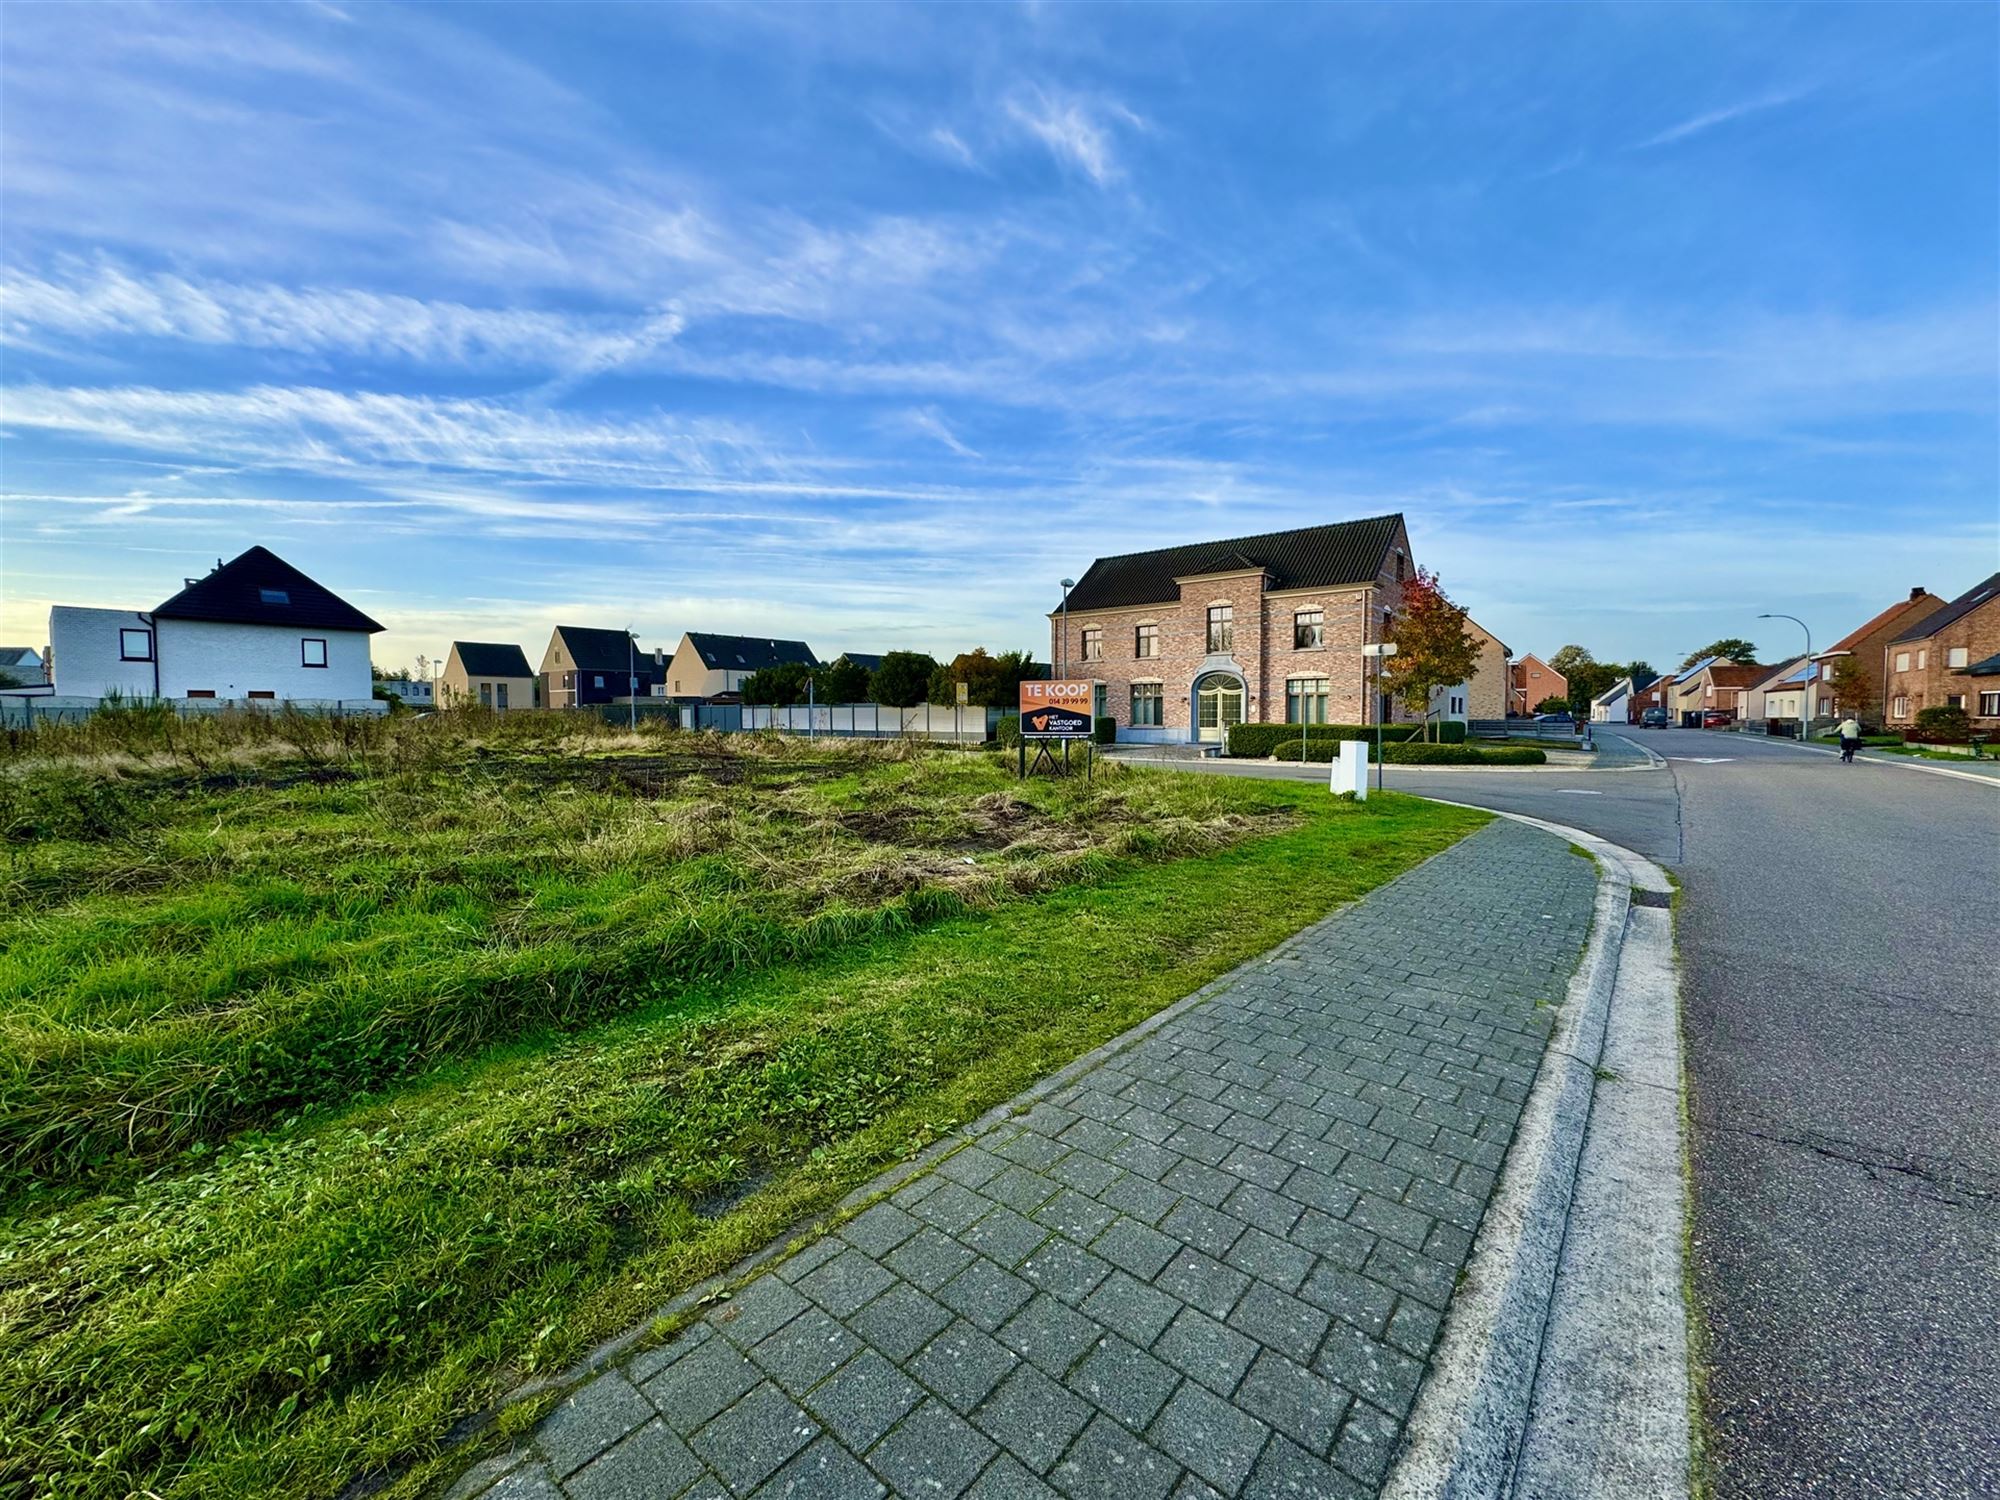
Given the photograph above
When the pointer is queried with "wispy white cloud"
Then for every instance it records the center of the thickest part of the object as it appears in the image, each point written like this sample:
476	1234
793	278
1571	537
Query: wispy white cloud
1708	119
1073	129
929	423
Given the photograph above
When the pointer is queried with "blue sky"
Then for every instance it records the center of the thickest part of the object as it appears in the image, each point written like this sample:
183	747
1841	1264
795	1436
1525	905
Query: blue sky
869	324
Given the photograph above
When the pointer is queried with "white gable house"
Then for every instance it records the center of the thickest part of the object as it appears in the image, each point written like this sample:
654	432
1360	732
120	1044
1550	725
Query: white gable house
254	628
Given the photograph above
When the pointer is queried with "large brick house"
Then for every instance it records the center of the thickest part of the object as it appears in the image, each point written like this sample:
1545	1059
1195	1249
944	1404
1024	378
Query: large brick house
1943	660
1531	681
1866	645
1185	641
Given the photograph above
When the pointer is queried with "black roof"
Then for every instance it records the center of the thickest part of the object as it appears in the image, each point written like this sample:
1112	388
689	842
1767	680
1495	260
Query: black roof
1987	668
868	661
593	650
748	653
261	588
1347	552
492	659
1960	607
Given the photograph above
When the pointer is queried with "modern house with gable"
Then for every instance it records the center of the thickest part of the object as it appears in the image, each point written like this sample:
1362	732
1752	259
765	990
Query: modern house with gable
706	665
1533	682
254	628
492	674
583	665
1186	641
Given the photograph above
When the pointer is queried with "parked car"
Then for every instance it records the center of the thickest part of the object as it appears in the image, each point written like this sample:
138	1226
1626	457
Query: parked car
1654	718
1562	718
1717	718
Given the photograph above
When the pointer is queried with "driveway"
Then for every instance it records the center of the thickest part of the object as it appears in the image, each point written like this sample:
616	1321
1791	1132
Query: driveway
1838	941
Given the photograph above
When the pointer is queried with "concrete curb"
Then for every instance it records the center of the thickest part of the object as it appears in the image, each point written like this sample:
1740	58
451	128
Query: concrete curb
1487	1422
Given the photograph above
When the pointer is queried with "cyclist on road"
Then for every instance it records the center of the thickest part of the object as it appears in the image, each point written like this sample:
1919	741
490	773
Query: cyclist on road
1850	738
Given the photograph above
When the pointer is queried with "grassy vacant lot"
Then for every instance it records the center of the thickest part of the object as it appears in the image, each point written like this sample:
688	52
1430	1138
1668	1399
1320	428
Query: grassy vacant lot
342	1085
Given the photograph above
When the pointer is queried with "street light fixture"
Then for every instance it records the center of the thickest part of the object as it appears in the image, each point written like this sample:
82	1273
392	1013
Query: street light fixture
1067	585
1806	693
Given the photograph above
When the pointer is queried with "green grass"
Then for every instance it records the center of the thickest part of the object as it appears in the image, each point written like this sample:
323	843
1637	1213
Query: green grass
279	1293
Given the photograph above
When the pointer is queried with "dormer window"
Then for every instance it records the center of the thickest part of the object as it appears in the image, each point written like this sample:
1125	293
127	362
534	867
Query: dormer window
274	596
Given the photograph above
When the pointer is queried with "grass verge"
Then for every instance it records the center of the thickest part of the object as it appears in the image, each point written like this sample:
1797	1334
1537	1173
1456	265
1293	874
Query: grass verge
279	1312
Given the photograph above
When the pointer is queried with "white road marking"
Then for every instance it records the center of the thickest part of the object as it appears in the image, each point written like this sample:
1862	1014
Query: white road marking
1703	760
1577	791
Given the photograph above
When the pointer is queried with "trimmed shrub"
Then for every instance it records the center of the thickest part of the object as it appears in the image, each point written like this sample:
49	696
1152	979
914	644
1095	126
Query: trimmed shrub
1942	725
1451	732
1007	730
1410	753
1105	730
1256	740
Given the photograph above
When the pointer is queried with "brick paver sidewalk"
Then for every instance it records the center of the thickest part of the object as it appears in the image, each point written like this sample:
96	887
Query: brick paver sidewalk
1214	1263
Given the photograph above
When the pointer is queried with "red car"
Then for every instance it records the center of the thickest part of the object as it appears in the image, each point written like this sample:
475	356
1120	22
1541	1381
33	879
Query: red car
1717	718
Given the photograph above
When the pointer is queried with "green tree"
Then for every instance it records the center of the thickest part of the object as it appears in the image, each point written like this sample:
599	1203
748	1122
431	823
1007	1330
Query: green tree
841	681
11	679
777	685
1553	705
1569	658
988	678
903	679
1853	686
1642	674
1729	648
1433	647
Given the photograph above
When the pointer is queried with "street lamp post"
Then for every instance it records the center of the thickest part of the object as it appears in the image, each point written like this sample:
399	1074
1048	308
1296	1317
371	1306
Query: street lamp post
1806	691
1378	650
631	679
1067	585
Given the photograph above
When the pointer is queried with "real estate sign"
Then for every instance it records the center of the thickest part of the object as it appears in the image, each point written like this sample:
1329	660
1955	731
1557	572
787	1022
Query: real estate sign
1056	710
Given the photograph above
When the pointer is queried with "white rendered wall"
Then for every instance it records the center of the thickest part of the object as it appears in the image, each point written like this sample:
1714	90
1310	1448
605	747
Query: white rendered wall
233	661
84	645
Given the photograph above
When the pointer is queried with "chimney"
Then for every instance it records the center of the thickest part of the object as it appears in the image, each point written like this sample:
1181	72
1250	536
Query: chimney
1918	592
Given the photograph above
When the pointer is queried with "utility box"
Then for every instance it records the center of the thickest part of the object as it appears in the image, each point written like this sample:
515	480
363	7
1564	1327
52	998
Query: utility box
1350	770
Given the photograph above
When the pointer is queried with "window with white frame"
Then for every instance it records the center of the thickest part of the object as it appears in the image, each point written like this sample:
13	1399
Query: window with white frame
1147	705
1902	661
1989	705
1308	629
1221	628
1899	707
1146	642
1956	657
135	645
1305	700
1923	657
1093	644
312	652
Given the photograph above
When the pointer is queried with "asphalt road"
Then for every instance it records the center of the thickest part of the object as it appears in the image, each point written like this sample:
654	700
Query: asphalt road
1839	934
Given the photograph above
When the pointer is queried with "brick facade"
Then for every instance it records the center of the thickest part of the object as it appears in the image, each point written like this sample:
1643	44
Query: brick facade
1486	691
1534	680
1928	671
1262	651
1868	645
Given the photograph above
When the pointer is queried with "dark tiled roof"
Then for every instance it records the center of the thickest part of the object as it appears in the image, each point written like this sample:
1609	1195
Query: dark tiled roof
1988	668
261	588
868	661
1957	610
748	653
492	659
593	650
1347	552
19	656
1900	608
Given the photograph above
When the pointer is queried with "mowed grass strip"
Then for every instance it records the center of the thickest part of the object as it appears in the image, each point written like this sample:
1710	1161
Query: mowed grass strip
183	958
327	1300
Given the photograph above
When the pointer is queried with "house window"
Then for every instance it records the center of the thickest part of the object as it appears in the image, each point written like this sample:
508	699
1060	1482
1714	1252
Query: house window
1146	705
485	695
1923	657
1989	705
1308	629
1401	563
1093	644
201	692
1955	657
1954	700
312	652
1900	707
135	645
274	596
500	695
597	682
261	693
1305	700
1221	628
1902	661
1146	642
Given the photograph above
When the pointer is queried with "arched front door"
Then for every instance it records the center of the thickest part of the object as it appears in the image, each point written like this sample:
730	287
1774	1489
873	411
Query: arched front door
1218	702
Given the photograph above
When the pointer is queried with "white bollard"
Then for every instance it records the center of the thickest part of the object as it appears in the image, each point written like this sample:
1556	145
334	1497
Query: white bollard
1349	774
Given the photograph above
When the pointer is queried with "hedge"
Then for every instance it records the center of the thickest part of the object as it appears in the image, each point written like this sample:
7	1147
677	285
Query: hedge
1008	730
1105	730
1257	740
1408	753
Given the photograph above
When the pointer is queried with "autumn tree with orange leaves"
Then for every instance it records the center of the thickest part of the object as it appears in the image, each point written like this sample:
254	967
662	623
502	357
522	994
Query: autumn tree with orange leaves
1433	647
